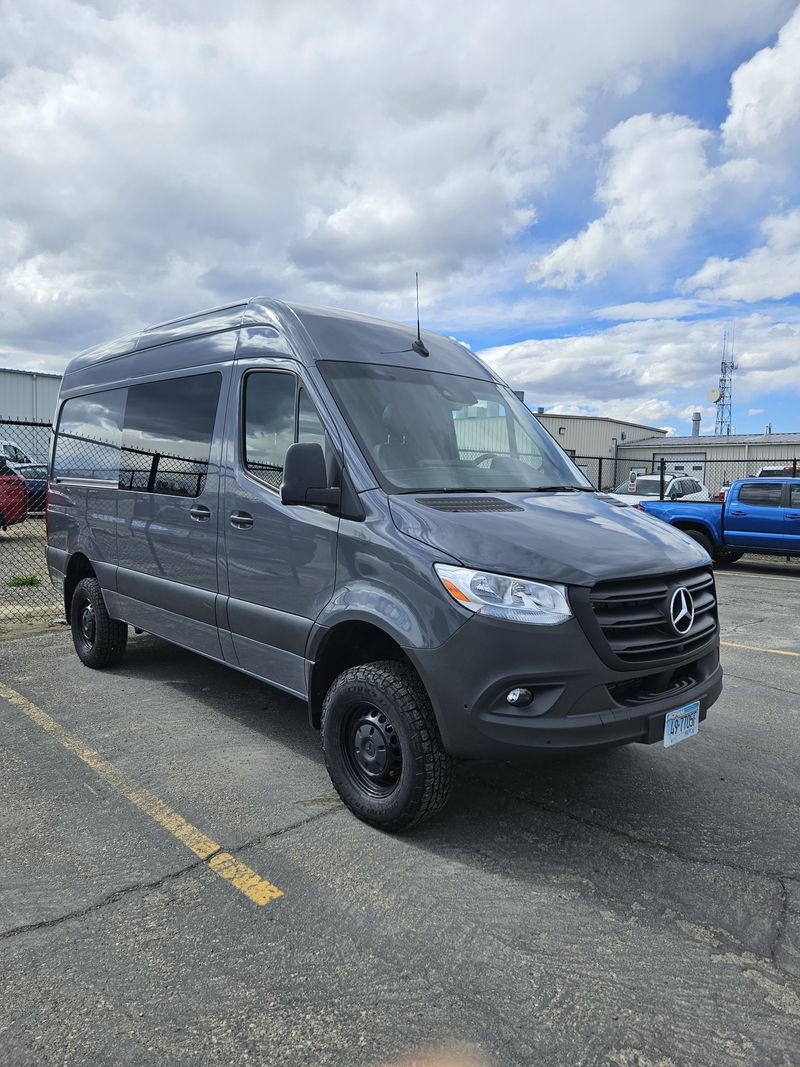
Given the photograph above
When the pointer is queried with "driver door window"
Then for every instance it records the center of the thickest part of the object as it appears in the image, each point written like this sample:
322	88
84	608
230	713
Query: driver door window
276	415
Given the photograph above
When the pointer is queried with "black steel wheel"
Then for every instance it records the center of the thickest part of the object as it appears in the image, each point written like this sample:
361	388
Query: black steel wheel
382	745
99	640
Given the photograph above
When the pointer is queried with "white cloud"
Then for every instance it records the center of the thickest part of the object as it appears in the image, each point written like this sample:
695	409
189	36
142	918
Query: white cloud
769	272
765	95
752	412
157	158
655	186
671	308
656	371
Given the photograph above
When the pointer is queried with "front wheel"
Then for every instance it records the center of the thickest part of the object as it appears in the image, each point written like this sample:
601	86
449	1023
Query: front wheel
702	539
728	555
99	640
382	746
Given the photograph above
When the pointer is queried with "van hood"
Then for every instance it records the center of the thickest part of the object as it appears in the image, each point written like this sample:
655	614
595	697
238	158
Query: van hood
566	537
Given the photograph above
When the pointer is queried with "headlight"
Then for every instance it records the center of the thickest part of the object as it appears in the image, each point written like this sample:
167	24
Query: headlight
501	597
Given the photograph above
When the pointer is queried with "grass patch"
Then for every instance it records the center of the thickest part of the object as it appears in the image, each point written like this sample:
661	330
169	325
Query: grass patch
17	580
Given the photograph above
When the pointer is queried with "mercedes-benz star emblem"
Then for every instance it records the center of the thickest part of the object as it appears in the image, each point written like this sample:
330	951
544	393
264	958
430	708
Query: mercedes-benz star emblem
681	611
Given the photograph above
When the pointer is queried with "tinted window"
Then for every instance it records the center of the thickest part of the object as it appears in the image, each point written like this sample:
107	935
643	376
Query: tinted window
269	398
763	496
423	430
270	425
309	428
794	497
89	435
16	455
166	435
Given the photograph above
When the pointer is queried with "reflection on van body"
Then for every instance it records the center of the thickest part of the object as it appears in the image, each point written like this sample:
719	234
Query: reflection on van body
378	527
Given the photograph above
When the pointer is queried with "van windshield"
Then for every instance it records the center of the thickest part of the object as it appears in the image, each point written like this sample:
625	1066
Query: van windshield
424	430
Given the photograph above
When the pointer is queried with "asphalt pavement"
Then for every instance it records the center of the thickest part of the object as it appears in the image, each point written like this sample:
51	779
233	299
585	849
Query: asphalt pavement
179	883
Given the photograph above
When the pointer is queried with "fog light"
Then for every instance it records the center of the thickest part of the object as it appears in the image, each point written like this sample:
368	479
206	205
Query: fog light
519	697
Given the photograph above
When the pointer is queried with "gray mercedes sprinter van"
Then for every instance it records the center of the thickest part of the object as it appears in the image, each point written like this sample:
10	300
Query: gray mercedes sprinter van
372	521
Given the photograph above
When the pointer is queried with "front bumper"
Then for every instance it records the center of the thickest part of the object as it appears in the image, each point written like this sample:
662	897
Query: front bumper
579	701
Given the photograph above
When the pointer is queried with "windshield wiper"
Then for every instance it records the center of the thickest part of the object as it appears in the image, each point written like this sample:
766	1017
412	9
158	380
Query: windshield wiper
450	489
561	489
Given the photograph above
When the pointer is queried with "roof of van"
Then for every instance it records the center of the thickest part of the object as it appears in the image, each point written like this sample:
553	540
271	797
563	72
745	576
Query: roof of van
314	331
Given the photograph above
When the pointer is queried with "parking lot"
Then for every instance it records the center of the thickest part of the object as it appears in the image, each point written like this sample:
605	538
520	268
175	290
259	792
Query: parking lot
179	883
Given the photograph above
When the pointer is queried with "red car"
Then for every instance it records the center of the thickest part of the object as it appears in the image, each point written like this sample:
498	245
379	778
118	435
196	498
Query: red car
13	497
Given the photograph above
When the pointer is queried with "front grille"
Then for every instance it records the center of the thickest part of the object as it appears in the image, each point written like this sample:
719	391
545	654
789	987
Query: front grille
468	503
634	616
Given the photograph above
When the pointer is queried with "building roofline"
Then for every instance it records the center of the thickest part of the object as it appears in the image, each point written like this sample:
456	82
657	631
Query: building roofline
719	440
598	418
32	373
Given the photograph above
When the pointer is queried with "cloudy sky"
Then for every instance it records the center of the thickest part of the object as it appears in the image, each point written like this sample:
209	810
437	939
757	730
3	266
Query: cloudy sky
593	192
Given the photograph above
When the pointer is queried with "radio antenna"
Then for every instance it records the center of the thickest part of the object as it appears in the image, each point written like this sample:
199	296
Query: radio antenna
419	345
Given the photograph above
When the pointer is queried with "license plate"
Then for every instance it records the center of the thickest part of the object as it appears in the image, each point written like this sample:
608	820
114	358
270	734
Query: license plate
680	724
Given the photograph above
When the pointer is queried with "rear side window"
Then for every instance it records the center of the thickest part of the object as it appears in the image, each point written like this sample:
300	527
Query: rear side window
761	496
794	497
166	435
89	437
276	415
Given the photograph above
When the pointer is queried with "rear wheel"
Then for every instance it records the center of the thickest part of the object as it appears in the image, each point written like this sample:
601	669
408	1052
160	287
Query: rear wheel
99	640
382	746
702	539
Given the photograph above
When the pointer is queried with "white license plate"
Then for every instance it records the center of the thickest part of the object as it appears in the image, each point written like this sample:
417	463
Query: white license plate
680	724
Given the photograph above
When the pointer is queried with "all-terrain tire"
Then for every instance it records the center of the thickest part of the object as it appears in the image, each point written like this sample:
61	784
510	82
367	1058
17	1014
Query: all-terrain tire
385	705
99	640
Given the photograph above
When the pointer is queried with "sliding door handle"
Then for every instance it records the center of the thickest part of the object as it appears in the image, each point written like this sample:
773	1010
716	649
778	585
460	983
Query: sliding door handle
241	520
200	513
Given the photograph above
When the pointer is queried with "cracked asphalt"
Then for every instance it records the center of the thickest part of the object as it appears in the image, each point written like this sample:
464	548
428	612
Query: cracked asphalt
635	907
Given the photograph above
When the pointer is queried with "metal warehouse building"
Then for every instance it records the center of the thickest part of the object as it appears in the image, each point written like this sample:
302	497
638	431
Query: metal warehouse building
715	460
28	395
589	435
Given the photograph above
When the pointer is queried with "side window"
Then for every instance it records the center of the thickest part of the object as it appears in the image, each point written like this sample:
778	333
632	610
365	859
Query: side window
271	402
309	427
166	435
269	398
761	496
794	497
89	436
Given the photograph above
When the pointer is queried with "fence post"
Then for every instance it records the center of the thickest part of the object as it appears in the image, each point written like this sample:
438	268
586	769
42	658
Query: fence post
794	467
662	473
599	472
151	481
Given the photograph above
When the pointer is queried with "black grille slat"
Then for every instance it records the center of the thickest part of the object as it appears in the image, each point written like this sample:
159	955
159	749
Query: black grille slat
468	503
633	616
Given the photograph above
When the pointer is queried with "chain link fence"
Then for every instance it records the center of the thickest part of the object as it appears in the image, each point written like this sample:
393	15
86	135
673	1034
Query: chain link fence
26	594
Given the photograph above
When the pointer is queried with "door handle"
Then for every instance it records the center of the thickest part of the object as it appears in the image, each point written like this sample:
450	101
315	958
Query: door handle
200	513
735	511
242	520
793	515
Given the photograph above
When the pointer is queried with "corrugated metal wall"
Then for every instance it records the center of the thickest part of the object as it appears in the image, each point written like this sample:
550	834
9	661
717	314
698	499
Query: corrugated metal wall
28	395
591	436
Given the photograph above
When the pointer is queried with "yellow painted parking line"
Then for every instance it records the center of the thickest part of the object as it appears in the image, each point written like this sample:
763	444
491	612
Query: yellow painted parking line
755	648
256	888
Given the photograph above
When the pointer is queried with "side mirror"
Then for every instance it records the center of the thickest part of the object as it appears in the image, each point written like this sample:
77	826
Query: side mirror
674	494
305	477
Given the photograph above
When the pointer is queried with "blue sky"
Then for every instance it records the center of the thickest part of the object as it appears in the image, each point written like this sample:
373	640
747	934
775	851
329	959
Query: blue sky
592	193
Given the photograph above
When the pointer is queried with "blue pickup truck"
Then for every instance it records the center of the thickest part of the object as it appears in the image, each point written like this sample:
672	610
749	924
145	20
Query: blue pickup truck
758	515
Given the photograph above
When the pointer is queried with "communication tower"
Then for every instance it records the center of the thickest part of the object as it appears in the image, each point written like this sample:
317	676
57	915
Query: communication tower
722	396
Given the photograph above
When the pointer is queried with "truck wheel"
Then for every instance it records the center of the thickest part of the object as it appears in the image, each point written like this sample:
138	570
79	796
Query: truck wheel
99	640
728	555
382	746
702	539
